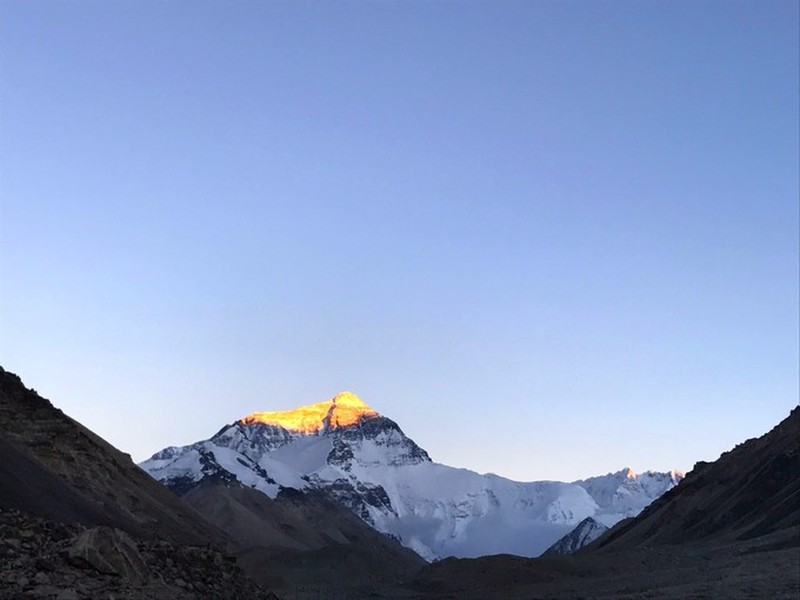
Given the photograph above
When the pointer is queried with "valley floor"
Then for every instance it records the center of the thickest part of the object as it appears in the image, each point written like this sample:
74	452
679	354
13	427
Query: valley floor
768	567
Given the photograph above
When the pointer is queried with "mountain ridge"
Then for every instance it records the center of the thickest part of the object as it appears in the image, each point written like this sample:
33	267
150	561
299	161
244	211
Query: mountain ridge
78	519
729	529
366	463
721	499
105	486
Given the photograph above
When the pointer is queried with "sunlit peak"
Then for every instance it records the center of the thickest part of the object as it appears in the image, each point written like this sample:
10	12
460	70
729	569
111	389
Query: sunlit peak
348	399
340	411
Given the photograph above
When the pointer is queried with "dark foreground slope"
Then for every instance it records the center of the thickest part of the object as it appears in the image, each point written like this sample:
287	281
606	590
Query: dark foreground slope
730	529
749	492
61	466
78	519
48	559
302	540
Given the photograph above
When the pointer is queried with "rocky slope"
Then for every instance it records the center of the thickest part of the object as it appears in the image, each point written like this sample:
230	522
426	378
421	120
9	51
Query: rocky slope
58	469
730	529
79	520
302	539
363	460
750	491
48	559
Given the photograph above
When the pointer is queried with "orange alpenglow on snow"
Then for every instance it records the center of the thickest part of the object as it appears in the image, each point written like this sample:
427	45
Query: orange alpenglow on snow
343	410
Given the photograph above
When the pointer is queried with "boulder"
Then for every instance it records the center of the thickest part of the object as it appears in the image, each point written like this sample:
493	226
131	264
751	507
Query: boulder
109	551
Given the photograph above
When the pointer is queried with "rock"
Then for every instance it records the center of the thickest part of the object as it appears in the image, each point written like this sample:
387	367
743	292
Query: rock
45	564
110	551
102	563
43	591
41	578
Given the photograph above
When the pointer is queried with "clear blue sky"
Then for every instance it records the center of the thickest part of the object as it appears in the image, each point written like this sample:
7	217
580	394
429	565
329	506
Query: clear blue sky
550	239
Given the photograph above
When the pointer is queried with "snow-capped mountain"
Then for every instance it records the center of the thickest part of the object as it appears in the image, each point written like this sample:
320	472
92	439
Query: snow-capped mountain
364	461
584	533
624	494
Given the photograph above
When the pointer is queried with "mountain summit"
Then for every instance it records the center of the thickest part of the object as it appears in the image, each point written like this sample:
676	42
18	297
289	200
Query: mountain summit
348	452
342	410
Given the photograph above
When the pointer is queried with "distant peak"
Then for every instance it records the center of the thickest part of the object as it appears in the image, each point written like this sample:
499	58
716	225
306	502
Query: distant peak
348	399
628	473
340	411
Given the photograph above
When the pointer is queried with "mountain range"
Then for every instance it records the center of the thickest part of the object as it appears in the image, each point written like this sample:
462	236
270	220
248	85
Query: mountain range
78	520
348	452
730	529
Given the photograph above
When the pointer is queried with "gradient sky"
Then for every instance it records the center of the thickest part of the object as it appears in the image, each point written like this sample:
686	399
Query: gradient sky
549	239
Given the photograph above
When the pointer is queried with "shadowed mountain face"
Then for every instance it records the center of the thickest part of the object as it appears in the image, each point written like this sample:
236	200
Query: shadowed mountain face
584	533
751	491
301	539
26	484
57	469
79	520
730	529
